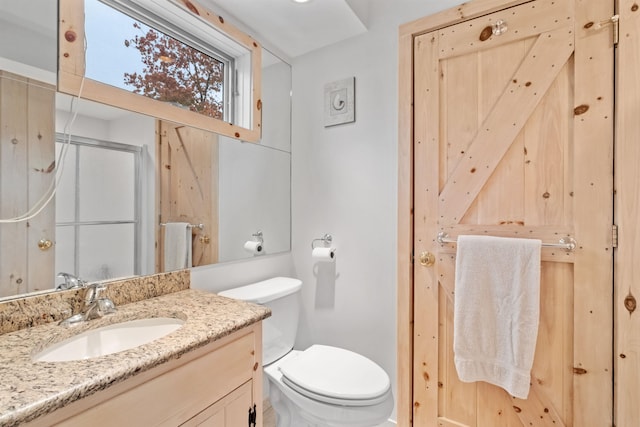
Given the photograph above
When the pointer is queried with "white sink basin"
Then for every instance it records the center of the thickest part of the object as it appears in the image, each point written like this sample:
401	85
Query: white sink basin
109	339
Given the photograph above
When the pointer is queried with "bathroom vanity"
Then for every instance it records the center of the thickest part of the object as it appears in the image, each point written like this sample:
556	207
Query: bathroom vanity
208	372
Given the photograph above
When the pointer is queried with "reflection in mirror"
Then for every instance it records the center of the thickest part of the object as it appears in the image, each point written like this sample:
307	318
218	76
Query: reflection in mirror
233	189
253	180
98	204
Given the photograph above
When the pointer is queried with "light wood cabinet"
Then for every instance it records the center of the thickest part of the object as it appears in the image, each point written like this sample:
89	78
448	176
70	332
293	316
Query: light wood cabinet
217	385
230	411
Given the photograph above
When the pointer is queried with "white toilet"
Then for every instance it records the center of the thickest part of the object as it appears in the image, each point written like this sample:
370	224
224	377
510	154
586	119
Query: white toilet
322	385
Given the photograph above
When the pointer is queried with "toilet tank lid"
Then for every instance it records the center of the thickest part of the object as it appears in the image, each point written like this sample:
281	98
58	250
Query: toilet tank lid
264	291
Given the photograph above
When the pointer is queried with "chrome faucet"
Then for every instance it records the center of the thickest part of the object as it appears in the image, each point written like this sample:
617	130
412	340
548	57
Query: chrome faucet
95	306
70	282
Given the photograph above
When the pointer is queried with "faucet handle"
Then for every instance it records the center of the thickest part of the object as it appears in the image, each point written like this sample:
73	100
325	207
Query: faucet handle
106	306
70	281
93	292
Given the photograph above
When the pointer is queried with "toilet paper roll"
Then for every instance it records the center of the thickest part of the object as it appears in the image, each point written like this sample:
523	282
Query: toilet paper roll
253	247
324	254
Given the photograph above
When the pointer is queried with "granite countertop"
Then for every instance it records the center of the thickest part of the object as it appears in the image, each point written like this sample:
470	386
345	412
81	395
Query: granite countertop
31	389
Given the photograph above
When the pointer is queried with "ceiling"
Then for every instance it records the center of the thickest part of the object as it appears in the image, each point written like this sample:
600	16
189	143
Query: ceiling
295	28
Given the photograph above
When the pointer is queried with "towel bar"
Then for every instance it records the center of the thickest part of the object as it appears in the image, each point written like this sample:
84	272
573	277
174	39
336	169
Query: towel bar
566	243
198	226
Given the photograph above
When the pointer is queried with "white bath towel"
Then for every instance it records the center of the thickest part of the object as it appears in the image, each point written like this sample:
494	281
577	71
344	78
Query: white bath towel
177	246
497	311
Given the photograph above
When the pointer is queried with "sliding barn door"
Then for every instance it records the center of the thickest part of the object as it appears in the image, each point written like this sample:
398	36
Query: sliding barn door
513	116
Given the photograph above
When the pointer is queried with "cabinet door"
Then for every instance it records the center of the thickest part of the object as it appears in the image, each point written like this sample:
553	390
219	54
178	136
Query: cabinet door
176	396
230	411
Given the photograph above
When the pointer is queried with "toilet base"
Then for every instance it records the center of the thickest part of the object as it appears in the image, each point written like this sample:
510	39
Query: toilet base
294	410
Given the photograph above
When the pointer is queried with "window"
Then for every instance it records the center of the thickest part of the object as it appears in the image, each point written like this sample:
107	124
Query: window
188	64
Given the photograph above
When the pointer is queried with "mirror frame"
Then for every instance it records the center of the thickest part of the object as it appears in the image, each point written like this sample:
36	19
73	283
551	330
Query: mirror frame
72	81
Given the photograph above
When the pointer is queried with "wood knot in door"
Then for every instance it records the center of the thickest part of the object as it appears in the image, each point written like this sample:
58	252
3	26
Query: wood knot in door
192	7
580	109
630	303
486	33
70	36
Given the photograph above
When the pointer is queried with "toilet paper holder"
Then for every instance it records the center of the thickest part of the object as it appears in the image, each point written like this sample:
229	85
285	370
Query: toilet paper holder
257	236
326	239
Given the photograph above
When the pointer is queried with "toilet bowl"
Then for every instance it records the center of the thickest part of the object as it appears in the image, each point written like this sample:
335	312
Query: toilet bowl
322	385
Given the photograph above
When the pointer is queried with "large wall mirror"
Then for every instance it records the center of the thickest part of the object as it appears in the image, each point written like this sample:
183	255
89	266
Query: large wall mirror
123	177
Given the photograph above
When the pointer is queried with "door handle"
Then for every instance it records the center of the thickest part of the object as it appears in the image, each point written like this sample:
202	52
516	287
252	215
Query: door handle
427	259
44	244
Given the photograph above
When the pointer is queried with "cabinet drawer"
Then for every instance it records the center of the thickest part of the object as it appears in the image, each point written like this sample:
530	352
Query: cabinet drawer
177	395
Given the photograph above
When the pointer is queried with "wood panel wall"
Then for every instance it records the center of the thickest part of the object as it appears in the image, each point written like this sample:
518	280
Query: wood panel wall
27	161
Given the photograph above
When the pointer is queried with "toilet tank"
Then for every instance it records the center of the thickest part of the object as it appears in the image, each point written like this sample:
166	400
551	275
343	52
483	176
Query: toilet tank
282	296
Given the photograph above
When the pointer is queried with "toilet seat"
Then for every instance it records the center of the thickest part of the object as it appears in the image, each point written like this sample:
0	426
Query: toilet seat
336	376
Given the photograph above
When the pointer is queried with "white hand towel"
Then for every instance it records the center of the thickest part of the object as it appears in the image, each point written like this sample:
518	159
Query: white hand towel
177	246
497	311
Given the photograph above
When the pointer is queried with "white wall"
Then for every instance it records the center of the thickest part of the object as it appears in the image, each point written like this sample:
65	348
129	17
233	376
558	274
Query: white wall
220	277
345	183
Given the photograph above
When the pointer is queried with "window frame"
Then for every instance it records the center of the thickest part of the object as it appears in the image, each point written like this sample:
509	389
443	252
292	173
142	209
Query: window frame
72	79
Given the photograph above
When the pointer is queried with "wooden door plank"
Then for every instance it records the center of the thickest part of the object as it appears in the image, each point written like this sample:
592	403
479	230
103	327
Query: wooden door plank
593	215
13	183
425	284
536	410
521	96
496	407
446	422
627	273
462	407
524	21
549	233
41	174
404	400
501	198
463	12
447	274
554	348
547	156
459	110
